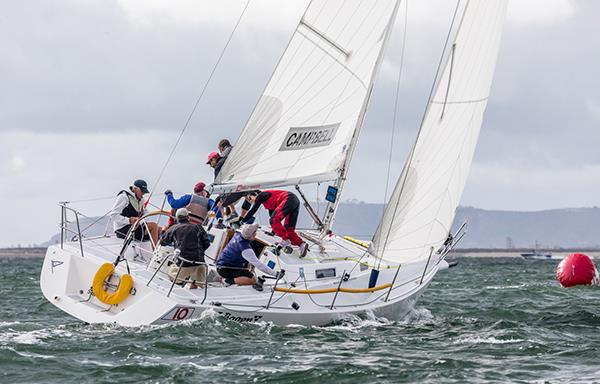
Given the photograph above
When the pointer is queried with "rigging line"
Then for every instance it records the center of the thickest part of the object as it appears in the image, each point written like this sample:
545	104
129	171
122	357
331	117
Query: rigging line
189	118
452	54
314	67
431	92
96	221
307	58
239	145
324	72
331	67
394	119
262	113
88	200
340	181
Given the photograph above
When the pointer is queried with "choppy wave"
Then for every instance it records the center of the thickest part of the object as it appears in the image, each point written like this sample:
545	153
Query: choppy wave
484	321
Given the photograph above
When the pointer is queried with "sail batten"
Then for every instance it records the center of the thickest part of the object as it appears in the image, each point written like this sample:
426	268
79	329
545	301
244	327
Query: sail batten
421	209
322	81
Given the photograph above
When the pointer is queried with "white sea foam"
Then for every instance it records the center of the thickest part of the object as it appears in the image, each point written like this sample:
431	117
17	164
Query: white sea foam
93	362
486	340
495	287
8	323
35	355
32	337
417	316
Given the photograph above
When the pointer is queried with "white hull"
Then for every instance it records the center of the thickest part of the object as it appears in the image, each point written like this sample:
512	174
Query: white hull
67	276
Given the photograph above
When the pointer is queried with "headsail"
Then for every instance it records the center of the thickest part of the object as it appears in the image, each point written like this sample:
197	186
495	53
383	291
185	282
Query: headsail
421	210
302	126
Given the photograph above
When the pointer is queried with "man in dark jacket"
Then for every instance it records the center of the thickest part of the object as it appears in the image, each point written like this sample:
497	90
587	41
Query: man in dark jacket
190	241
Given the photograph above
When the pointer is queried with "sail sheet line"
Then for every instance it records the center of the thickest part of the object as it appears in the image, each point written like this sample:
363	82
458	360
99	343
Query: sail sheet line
461	101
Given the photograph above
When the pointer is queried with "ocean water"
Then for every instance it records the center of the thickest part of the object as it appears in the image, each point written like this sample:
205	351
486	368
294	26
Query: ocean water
487	320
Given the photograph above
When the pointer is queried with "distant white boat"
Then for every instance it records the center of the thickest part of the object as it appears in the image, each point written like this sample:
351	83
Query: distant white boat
304	130
537	254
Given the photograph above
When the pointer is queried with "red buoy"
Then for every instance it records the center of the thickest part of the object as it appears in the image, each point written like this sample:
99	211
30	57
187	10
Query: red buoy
576	269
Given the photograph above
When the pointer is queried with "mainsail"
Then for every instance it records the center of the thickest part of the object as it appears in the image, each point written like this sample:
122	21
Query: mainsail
303	126
420	212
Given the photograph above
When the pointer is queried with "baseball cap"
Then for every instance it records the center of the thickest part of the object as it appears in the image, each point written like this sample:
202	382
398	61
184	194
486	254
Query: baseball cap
141	184
248	230
212	155
199	187
182	212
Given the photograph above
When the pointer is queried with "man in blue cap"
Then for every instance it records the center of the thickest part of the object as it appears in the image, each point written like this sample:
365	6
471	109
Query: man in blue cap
127	210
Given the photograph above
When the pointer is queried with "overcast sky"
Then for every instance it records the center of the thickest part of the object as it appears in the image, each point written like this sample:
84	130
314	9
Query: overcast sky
93	94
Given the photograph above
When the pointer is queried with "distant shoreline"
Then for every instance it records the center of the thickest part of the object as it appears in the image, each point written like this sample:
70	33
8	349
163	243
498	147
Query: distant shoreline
39	252
22	253
496	252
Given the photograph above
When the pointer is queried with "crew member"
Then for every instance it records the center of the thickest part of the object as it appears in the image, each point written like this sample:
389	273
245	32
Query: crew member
191	240
215	161
233	262
226	201
198	204
282	206
126	211
225	148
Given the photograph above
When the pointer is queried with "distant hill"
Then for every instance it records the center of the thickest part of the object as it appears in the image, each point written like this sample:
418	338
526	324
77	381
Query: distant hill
557	228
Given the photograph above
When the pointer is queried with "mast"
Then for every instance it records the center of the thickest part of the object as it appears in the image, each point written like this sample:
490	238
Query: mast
331	208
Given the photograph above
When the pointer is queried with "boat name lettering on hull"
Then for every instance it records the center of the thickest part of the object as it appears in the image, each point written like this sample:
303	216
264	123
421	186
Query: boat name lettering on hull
241	319
309	137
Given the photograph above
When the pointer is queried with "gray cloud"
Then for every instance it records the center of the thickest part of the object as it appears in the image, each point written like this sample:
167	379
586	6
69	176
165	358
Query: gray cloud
84	84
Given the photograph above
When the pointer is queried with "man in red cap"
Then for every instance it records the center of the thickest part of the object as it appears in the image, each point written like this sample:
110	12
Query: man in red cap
226	201
216	162
198	204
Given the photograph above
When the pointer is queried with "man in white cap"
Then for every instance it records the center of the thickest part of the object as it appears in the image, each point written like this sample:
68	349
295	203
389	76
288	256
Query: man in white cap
233	262
190	241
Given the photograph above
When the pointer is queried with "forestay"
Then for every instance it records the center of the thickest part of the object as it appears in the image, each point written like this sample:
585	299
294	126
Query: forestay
419	215
302	126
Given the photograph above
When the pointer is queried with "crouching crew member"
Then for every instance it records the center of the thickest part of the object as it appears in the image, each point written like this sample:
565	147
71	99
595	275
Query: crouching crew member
126	211
283	206
233	262
191	240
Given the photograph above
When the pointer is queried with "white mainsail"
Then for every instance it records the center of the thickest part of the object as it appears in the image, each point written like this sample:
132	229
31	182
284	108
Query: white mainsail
420	212
302	128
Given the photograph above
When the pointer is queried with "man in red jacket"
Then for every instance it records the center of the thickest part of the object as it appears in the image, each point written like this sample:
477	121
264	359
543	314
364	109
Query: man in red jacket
283	206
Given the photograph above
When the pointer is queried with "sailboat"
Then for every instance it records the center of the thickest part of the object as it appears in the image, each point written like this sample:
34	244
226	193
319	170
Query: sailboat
304	130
